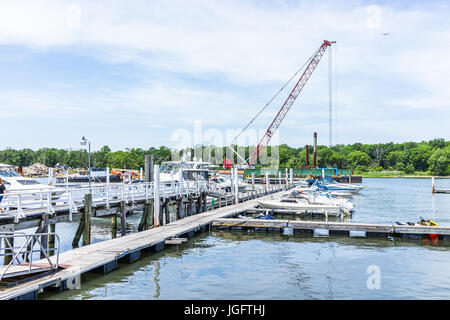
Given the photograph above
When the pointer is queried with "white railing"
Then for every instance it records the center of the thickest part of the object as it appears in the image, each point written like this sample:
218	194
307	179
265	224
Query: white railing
29	200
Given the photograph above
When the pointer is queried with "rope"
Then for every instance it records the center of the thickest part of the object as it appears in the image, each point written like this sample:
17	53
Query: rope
273	98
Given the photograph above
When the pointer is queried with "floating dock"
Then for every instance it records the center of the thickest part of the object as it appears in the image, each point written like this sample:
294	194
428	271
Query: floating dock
334	228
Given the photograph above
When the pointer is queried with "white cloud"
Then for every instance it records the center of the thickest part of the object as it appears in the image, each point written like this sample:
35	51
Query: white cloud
250	47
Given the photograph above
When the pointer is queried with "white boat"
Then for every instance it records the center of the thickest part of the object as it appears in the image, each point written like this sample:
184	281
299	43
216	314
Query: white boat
329	184
170	171
30	188
224	182
313	203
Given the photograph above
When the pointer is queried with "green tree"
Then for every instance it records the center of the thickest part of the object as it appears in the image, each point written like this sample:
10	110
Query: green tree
358	159
439	162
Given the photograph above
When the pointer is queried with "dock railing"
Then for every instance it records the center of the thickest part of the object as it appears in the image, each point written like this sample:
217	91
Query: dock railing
24	254
17	202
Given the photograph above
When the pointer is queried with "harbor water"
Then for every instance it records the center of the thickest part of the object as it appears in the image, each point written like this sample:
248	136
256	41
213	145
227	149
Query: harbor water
221	264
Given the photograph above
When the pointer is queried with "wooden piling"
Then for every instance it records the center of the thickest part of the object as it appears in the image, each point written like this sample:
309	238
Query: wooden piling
51	239
9	243
84	228
180	211
166	212
190	205
123	219
87	218
114	226
146	219
205	208
44	239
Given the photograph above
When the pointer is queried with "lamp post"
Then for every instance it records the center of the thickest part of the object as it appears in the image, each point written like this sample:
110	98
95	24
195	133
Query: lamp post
83	143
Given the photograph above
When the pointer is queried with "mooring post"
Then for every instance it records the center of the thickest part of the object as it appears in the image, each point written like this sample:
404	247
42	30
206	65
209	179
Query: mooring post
156	206
179	207
146	215
123	219
253	181
114	226
236	186
87	219
267	182
279	179
51	239
432	184
148	168
44	239
291	176
84	227
107	188
287	178
190	205
167	211
205	208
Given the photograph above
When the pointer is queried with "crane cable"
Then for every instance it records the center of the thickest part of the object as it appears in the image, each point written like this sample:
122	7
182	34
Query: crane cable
270	101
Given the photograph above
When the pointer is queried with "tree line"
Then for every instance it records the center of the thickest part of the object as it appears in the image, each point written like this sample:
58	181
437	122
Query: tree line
429	157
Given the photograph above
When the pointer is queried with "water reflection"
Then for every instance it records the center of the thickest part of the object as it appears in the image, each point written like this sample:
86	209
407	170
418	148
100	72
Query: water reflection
266	265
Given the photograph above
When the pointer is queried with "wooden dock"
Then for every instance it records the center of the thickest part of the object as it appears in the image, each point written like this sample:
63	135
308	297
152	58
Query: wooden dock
334	228
105	256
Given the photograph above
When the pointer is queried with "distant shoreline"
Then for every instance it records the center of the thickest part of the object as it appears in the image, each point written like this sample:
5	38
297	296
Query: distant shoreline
397	175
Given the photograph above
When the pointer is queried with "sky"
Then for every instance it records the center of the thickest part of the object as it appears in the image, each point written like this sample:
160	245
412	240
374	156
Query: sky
150	73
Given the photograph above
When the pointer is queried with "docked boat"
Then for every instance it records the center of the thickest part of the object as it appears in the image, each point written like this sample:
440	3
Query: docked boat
313	203
169	171
29	188
333	185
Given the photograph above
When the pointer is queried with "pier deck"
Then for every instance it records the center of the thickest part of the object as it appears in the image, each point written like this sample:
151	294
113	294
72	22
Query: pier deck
104	256
378	230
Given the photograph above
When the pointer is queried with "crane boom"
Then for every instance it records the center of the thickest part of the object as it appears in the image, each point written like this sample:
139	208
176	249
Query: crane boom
289	101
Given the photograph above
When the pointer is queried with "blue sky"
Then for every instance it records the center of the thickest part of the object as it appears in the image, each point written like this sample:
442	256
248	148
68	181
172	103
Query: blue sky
131	73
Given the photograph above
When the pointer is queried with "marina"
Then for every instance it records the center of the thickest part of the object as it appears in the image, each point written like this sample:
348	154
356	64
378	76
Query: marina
104	256
301	265
224	151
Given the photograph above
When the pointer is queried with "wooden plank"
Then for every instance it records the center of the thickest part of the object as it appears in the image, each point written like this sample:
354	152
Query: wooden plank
338	226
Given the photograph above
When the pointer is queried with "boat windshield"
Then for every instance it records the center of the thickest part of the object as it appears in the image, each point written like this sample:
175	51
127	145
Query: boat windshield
169	167
28	182
192	175
9	174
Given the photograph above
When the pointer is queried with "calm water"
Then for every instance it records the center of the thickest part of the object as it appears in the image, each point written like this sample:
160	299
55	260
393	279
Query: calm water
242	265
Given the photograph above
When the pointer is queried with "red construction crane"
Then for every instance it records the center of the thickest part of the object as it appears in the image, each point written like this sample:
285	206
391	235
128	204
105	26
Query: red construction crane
289	101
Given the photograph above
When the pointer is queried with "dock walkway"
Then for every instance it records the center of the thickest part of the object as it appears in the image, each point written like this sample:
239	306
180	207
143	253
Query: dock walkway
105	256
341	228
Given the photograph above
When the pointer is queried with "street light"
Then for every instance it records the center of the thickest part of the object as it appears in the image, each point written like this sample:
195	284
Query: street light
83	143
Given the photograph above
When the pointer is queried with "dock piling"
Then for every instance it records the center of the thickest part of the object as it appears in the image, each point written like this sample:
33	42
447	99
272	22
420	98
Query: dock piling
84	228
123	219
156	206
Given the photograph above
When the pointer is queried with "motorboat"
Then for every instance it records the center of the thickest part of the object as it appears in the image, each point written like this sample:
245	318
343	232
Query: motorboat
199	165
333	185
28	188
169	171
312	203
225	183
15	182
